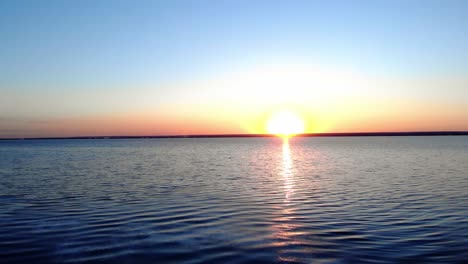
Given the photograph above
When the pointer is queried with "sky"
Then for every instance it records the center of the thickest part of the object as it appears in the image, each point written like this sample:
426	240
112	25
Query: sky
103	68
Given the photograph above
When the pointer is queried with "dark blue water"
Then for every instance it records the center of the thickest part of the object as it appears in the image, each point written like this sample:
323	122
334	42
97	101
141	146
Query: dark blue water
244	200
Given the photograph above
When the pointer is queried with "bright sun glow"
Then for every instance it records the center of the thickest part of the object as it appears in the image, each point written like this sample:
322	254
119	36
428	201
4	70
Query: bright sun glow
285	124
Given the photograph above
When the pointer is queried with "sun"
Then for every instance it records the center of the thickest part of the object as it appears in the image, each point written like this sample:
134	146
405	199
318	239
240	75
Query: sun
285	124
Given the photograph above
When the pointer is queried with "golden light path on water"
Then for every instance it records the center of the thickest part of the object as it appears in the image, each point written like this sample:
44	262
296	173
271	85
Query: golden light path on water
287	170
285	229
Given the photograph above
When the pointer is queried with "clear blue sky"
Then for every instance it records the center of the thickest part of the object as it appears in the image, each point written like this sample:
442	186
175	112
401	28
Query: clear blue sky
95	46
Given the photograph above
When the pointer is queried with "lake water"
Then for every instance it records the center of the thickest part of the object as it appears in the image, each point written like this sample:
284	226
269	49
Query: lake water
235	200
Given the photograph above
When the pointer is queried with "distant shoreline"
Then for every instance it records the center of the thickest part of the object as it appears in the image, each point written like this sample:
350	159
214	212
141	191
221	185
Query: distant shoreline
350	134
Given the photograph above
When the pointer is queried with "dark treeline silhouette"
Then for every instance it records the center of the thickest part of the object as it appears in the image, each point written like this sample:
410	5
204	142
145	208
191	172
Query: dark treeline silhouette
350	134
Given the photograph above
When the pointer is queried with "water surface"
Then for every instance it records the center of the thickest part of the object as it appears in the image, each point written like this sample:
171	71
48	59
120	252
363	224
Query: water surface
235	200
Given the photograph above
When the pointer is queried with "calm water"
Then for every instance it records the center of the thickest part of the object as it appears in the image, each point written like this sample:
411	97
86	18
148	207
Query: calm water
238	200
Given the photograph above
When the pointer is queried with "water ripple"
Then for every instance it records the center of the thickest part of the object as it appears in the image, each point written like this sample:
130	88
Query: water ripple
320	200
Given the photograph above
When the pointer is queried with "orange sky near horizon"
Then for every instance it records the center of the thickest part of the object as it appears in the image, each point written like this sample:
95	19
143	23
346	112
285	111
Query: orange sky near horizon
327	99
356	117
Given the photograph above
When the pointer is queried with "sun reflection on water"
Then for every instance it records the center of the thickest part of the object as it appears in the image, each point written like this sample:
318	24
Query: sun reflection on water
285	230
287	170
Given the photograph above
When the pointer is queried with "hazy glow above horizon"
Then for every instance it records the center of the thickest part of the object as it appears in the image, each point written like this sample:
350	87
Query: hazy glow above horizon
174	67
285	124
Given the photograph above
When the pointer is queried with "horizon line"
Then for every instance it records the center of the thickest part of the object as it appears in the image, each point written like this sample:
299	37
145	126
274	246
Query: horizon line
326	134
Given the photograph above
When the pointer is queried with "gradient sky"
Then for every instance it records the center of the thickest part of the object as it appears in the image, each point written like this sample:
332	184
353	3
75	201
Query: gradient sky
89	68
